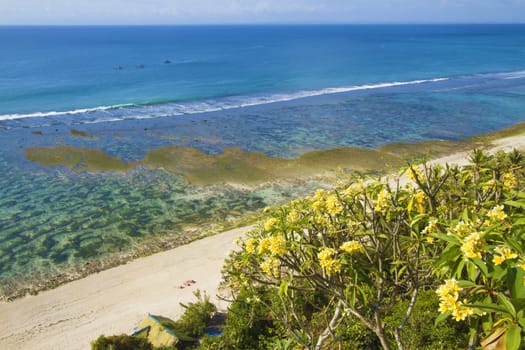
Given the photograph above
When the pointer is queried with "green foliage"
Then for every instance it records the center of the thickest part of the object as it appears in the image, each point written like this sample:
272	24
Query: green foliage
195	318
355	259
248	325
121	342
421	333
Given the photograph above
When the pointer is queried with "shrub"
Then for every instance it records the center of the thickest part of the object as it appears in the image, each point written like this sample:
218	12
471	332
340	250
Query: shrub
121	342
367	252
196	316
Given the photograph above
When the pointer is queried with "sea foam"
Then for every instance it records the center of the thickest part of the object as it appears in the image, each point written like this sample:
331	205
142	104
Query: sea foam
167	109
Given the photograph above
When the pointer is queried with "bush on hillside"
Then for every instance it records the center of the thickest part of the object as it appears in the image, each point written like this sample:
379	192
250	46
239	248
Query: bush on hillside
367	252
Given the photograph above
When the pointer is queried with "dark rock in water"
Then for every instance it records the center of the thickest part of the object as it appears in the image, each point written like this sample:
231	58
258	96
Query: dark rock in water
78	133
167	62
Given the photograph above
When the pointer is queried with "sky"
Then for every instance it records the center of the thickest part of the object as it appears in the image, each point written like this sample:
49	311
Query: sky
136	12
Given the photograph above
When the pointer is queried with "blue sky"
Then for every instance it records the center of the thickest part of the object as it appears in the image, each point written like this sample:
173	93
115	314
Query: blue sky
259	11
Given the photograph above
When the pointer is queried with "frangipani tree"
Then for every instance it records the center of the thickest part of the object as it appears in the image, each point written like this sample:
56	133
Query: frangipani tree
483	263
359	248
356	252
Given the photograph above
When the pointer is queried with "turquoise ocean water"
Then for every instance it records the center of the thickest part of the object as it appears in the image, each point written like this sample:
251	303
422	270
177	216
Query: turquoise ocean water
279	90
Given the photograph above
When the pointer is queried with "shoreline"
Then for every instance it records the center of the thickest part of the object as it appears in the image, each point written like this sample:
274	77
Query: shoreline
377	161
113	301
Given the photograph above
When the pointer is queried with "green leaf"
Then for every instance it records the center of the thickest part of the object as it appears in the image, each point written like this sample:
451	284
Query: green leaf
481	264
514	244
507	305
489	307
521	322
515	283
466	284
446	238
516	204
499	273
442	317
465	215
513	338
283	289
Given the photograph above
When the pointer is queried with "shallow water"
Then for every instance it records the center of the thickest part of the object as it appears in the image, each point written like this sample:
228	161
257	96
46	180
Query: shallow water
52	219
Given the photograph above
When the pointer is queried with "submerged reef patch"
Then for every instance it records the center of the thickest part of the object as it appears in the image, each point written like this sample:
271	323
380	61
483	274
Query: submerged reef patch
233	166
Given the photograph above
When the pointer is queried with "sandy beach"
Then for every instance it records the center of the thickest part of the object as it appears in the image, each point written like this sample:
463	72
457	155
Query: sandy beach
116	300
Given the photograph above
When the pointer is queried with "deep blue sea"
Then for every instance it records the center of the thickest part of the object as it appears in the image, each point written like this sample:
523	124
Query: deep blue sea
280	90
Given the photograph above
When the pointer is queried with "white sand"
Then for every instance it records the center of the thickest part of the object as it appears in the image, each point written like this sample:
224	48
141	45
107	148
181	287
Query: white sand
116	300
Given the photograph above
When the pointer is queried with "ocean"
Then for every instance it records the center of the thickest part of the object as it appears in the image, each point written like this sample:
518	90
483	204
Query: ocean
277	90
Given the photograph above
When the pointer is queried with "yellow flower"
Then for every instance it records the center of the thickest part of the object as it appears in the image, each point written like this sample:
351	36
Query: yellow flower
353	189
462	228
448	294
332	205
450	287
498	259
251	245
505	253
462	312
509	181
489	185
497	213
318	205
352	247
277	245
414	173
382	202
270	266
320	194
352	224
420	198
292	217
472	245
270	223
264	246
328	261
431	227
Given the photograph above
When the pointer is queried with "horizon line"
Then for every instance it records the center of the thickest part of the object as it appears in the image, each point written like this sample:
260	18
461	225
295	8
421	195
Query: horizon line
250	24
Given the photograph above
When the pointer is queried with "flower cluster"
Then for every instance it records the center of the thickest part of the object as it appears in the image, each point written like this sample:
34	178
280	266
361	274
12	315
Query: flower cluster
503	253
352	247
472	245
328	260
497	213
509	181
292	217
333	207
431	227
414	173
489	185
448	300
462	228
274	245
251	245
419	200
354	188
383	201
270	223
270	266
